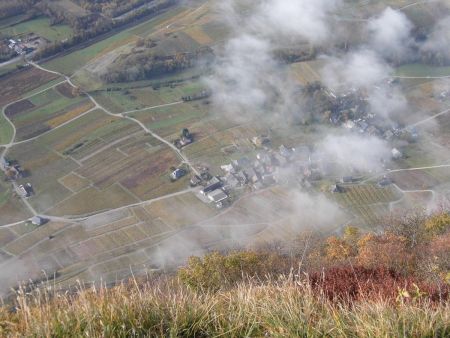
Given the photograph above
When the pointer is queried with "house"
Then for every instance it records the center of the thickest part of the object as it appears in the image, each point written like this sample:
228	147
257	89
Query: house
185	139
388	135
264	158
268	179
384	182
363	125
279	160
240	176
213	184
252	175
241	163
336	188
231	181
373	131
349	124
302	154
286	152
347	179
177	174
25	190
396	154
260	141
195	180
37	220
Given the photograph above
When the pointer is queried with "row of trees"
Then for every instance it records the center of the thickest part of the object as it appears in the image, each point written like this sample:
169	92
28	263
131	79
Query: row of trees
146	64
10	8
90	26
111	8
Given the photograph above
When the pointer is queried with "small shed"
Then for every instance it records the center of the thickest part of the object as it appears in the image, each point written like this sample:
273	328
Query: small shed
37	220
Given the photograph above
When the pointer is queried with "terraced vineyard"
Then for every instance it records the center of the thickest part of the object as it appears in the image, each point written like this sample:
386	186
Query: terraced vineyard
367	201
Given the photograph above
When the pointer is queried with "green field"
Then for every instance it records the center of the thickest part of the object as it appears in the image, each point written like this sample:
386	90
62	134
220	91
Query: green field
6	130
40	26
421	70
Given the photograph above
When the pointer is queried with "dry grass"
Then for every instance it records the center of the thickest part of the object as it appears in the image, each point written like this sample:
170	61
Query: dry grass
279	308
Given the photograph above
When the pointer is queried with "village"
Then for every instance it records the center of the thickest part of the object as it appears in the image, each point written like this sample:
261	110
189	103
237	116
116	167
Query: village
301	165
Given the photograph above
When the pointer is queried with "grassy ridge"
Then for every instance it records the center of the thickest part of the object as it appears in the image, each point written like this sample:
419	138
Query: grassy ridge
275	309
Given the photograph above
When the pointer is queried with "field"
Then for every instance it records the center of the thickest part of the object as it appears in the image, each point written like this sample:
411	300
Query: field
367	202
40	26
45	111
15	85
422	70
421	179
6	130
11	208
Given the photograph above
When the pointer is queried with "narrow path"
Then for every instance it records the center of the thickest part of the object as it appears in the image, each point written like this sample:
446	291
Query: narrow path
67	79
153	107
405	169
428	119
123	115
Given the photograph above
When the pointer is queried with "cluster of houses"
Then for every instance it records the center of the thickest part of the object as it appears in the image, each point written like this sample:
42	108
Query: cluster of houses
12	171
26	45
351	111
185	138
198	96
270	167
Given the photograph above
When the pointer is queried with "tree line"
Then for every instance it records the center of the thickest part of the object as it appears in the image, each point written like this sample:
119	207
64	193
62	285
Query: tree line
147	64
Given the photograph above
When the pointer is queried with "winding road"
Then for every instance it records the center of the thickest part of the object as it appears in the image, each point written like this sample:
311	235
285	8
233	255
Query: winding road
97	106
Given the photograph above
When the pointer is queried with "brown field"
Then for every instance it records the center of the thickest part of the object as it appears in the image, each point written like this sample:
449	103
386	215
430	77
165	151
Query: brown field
91	200
74	182
199	35
24	243
18	107
71	114
189	210
14	85
414	180
66	90
6	236
413	200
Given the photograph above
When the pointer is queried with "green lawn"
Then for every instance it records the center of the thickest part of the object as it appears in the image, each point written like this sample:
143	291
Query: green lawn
40	26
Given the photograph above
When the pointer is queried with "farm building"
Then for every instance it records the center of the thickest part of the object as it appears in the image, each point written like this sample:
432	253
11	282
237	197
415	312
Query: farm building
213	184
347	179
217	196
37	220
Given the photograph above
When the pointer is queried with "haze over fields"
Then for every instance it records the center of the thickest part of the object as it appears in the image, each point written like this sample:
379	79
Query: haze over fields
135	134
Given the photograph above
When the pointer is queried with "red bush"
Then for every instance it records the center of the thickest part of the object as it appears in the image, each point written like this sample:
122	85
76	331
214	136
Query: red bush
347	283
